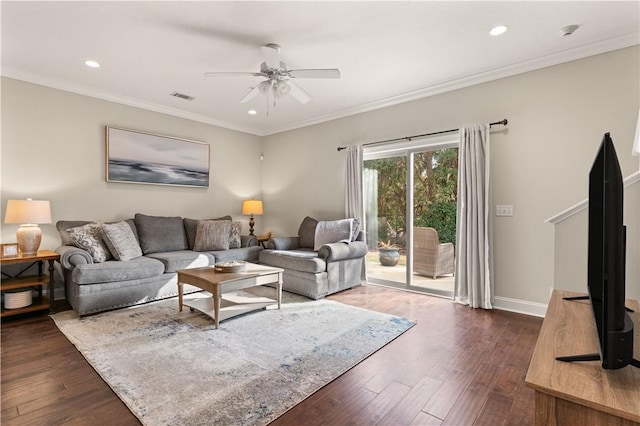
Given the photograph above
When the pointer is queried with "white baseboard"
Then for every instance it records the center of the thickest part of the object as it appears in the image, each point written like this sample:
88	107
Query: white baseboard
520	306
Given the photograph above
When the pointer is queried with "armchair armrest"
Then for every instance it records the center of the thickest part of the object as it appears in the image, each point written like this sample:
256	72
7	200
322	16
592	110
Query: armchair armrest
341	251
248	241
283	243
71	256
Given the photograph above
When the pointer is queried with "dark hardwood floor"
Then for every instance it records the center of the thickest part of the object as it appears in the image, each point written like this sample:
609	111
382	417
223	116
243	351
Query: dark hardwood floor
457	366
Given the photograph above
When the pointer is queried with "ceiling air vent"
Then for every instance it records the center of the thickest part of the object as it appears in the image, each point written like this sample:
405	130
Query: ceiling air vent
182	96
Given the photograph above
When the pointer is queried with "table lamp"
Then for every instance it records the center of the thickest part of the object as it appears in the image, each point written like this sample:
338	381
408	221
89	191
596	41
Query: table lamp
28	213
251	207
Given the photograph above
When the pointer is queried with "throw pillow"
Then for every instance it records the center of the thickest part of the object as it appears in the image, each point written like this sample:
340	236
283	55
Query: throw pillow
63	225
191	226
355	229
160	233
212	235
333	231
307	232
89	238
120	239
234	235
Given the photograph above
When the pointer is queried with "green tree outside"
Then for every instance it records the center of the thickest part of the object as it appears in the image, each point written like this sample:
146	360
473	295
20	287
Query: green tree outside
435	194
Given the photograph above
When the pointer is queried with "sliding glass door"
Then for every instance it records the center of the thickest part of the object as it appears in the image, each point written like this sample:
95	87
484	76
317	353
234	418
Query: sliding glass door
385	194
410	206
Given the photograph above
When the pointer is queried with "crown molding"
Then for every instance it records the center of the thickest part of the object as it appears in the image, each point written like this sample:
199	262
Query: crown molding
111	97
569	55
580	52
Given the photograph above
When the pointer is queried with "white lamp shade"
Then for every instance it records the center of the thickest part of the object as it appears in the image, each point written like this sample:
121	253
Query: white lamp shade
252	207
28	211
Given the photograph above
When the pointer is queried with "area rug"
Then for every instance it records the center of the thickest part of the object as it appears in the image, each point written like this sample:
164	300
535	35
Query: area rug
174	368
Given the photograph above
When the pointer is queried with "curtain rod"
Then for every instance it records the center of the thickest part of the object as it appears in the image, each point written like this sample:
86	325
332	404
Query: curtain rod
408	138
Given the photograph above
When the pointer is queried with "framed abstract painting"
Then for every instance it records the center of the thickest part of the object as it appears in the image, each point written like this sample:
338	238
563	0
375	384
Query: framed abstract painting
138	157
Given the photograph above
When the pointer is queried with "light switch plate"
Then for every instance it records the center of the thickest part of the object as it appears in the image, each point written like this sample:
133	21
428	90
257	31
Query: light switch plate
504	210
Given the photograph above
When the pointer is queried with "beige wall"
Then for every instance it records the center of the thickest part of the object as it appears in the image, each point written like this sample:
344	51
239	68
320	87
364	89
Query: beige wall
570	266
53	148
540	163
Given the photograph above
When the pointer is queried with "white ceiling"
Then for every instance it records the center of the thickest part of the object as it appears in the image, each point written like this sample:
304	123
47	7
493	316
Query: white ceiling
388	52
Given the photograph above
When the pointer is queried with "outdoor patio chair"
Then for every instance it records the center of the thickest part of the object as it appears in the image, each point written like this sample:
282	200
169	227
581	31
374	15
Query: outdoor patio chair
431	258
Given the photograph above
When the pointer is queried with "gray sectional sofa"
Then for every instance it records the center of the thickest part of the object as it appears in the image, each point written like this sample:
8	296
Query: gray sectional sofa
166	244
113	265
315	268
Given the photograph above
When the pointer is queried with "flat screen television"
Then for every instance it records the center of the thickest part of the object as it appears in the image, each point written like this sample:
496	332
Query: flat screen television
606	263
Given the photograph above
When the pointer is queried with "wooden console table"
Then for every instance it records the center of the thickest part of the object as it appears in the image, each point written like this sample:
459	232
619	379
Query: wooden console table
581	393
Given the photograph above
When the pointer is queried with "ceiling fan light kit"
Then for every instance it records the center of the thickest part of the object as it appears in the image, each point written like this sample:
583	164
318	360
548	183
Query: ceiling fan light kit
278	81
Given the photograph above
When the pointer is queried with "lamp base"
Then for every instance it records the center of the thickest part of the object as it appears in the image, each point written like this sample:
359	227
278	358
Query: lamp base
29	237
251	223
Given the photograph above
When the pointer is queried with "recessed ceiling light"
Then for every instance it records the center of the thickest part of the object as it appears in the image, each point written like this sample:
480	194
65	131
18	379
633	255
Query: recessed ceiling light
497	30
252	112
92	64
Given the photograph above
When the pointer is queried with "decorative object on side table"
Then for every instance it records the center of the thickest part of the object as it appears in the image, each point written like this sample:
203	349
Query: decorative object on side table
251	207
28	213
16	299
264	238
9	250
389	254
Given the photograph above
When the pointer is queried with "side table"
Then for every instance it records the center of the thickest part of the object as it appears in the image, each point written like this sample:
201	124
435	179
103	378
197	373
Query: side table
17	281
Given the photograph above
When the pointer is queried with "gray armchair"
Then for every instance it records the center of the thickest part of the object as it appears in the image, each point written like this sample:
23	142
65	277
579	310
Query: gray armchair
316	274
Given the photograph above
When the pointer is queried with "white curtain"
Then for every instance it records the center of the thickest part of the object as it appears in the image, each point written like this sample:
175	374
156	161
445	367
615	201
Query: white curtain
354	201
474	241
354	206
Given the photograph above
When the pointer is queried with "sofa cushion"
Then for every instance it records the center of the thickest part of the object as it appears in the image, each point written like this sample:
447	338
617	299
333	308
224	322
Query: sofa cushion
234	235
160	233
191	227
121	241
113	271
174	260
89	237
212	235
63	225
307	232
298	260
333	231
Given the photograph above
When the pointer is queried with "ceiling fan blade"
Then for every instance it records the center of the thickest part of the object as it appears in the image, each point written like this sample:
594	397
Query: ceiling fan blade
271	54
317	73
252	94
233	74
302	96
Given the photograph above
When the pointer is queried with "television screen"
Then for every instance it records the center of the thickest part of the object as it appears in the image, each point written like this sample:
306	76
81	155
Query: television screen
606	263
606	258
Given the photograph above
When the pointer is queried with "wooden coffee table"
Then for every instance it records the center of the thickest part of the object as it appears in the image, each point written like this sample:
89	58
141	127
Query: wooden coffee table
223	286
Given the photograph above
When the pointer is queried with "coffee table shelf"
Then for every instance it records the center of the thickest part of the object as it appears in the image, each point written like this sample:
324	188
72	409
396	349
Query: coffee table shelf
231	304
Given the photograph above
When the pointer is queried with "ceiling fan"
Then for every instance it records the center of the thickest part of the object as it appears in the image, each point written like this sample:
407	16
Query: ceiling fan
279	79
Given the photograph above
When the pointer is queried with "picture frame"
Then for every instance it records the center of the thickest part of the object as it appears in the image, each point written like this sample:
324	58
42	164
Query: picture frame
10	250
146	158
